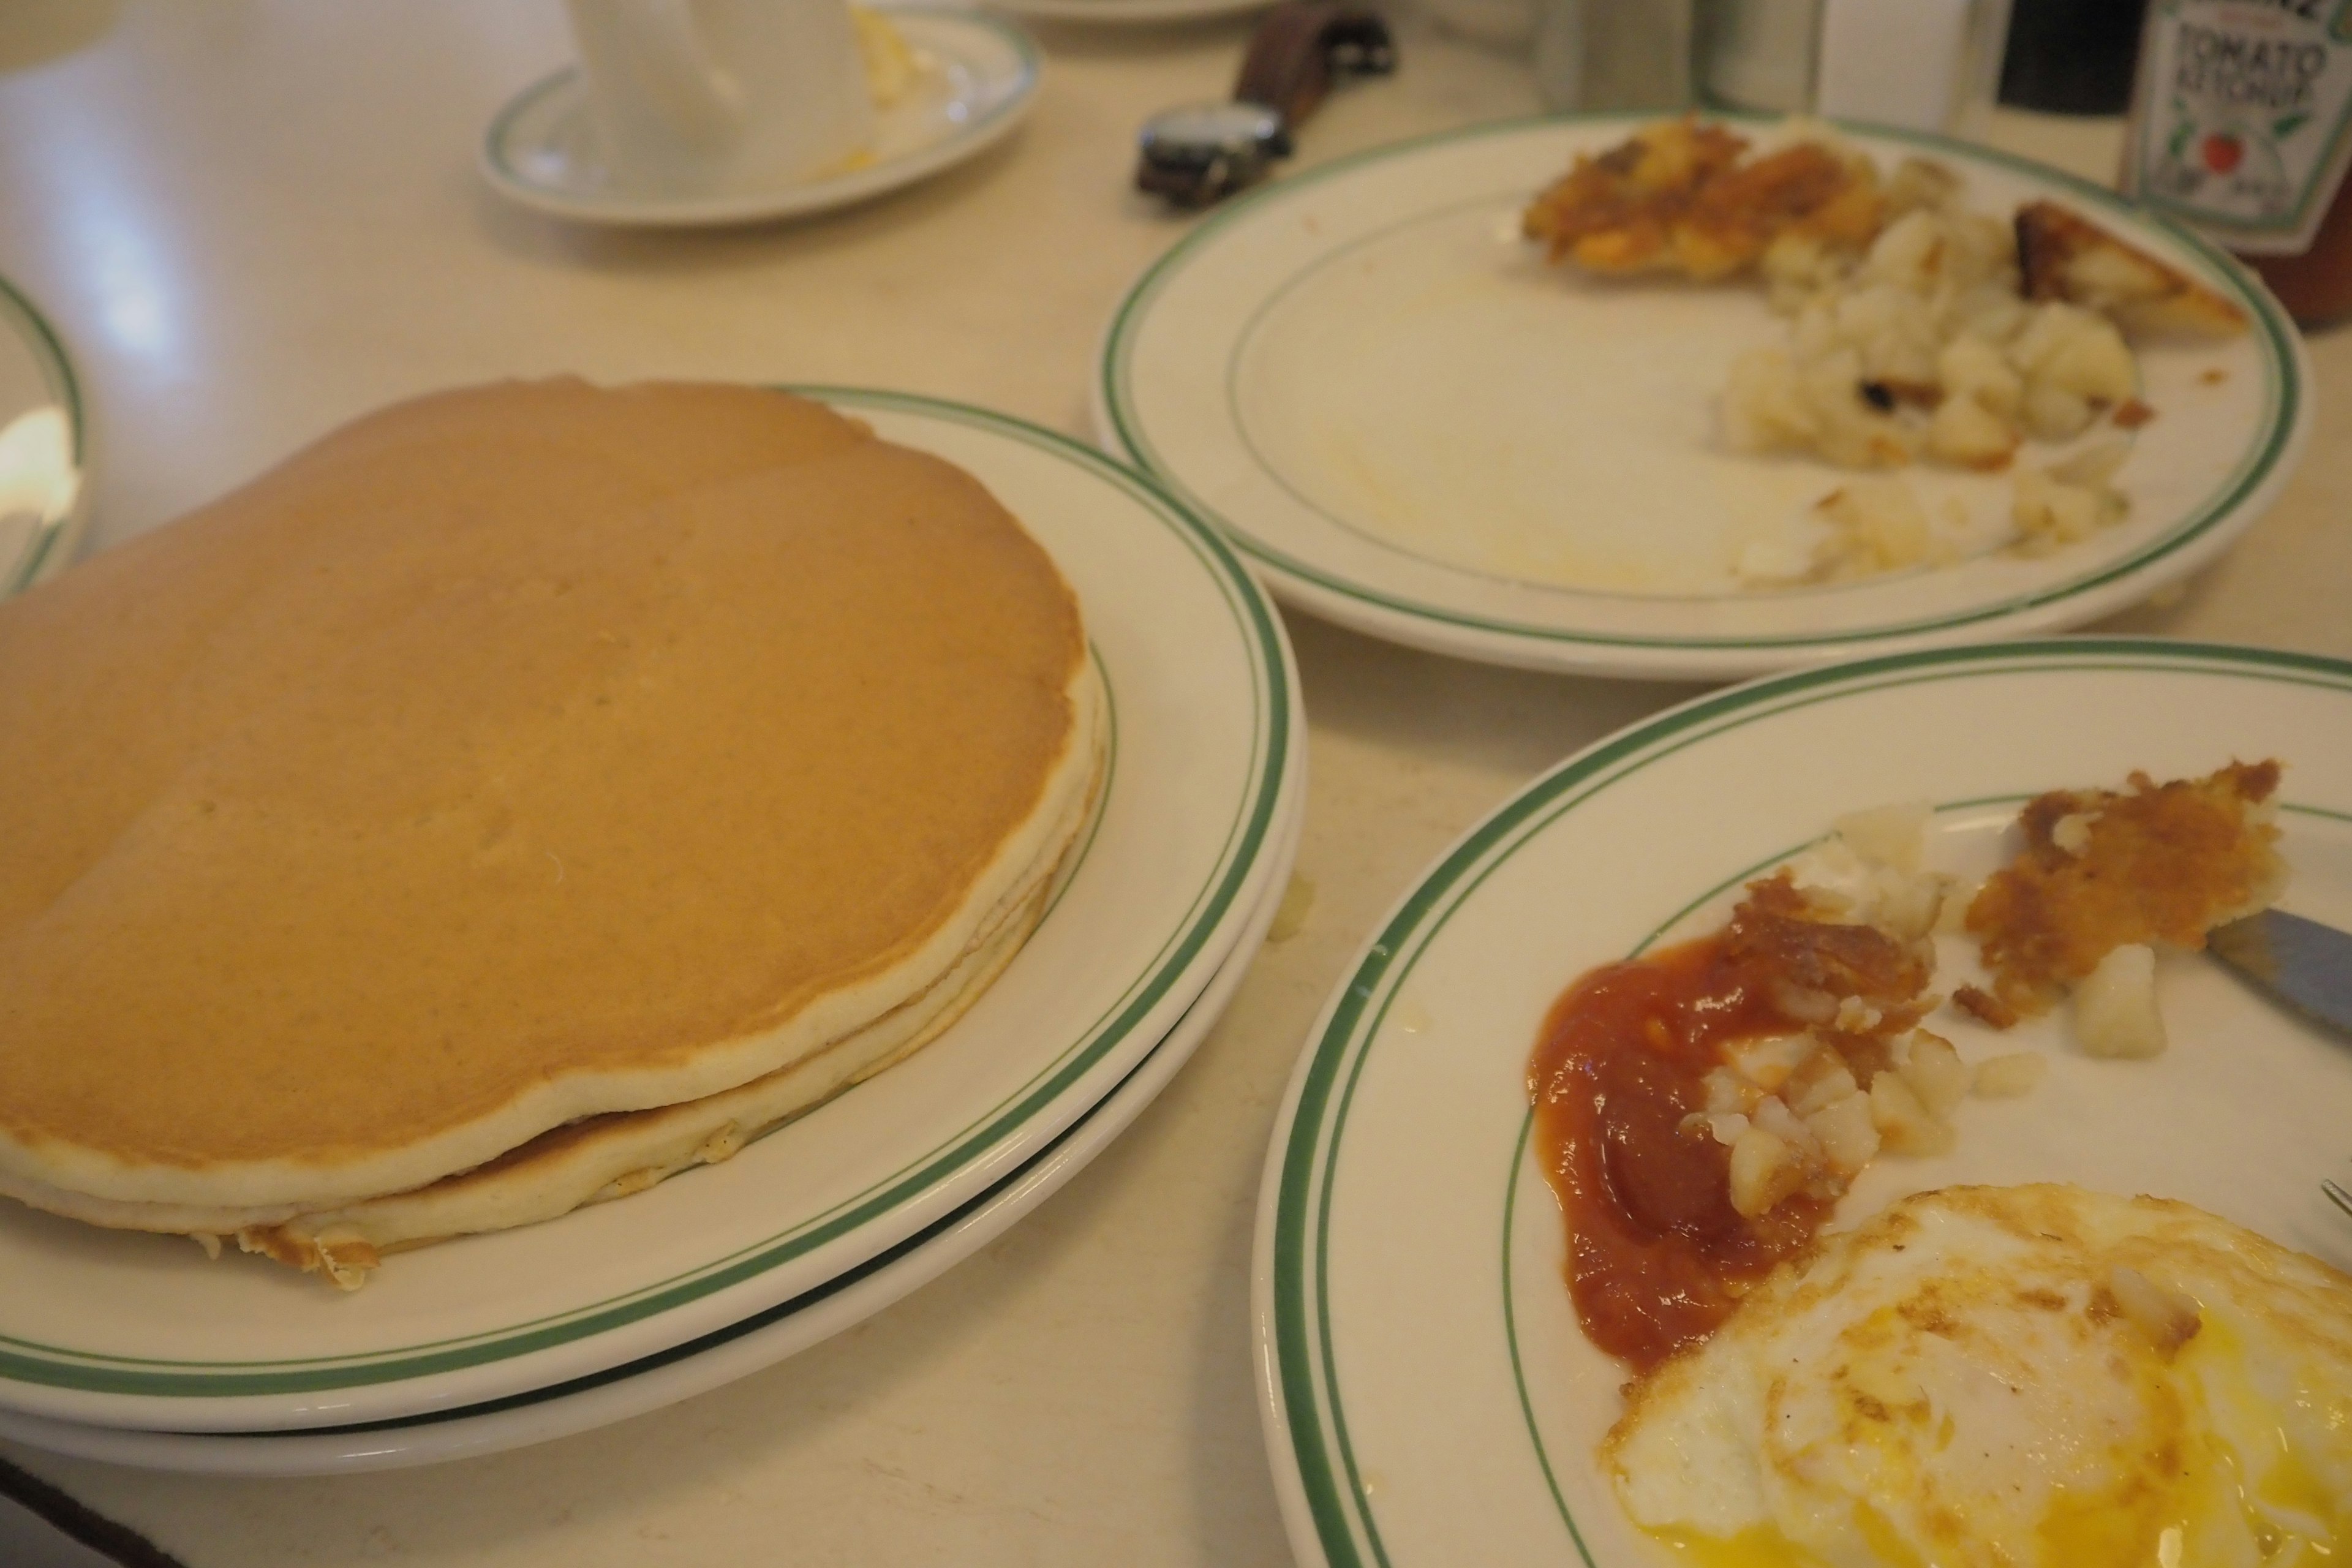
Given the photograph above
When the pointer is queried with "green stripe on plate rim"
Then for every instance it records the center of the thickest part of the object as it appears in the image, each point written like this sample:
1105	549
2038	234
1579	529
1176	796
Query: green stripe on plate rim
1305	1362
687	1350
2284	397
30	1361
51	350
1032	66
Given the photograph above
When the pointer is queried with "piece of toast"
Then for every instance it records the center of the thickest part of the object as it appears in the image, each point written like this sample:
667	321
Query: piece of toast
2065	256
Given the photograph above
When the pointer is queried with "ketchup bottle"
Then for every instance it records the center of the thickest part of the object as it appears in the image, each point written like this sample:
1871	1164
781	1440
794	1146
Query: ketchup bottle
2241	128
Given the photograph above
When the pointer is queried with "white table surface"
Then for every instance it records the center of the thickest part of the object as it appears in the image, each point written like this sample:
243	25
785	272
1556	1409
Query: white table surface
252	219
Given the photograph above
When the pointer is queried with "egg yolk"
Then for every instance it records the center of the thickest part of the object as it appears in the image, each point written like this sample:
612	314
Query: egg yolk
1760	1547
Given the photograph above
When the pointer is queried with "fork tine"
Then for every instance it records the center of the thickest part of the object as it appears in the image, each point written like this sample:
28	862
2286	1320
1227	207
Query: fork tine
2336	1195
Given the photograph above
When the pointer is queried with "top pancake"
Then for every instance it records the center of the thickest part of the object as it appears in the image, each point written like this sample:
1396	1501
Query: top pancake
509	757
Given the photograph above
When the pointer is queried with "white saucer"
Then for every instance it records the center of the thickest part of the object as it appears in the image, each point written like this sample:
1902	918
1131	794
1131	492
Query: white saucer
979	74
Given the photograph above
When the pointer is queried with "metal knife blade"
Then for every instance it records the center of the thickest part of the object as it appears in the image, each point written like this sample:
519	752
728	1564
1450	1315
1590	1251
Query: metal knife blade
2303	964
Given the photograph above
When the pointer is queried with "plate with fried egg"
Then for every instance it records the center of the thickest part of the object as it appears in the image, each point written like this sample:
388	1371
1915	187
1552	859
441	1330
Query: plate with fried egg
2074	1298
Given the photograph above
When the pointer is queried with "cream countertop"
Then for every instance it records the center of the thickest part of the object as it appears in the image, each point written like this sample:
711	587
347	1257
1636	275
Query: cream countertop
253	220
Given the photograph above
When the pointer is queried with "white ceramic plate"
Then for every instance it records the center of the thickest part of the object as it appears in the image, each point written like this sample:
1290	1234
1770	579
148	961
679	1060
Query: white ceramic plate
980	76
1128	13
1414	426
1430	1399
35	374
110	1329
716	1359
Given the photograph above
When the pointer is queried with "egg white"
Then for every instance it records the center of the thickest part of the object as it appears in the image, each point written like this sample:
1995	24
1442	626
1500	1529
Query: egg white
1956	1383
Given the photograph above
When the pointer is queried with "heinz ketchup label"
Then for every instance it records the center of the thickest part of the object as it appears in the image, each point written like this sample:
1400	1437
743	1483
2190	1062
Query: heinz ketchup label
2243	122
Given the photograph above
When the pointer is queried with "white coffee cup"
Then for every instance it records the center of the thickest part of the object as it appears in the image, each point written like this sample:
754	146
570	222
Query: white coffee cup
708	96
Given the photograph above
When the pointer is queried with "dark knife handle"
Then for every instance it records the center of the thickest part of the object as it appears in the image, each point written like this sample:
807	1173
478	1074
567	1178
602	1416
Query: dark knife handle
1300	45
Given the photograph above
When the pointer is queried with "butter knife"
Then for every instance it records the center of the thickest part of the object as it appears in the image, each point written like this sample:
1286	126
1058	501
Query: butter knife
2303	964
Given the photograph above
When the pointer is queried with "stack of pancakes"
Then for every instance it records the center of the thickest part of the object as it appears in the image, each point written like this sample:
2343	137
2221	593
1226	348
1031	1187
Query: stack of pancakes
517	797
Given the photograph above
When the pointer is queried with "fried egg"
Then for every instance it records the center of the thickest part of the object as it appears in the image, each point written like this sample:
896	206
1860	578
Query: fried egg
2010	1377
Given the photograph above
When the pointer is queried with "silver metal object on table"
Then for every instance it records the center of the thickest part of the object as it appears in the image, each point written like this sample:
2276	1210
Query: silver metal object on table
1200	153
2302	962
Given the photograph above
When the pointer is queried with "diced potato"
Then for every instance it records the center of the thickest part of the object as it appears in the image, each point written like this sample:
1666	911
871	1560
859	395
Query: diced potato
1893	834
1970	367
1909	907
2092	363
1991	312
2007	1076
2075	348
1768	1062
1902	353
1856	1017
2074	511
1798	267
1726	1129
1775	1118
1964	431
2055	413
1933	1070
1854	435
1908	252
1833	879
1764	1170
1882	312
1848	878
2114	1007
1824	1081
1924	348
1728	1092
1980	253
1848	1136
1905	1125
1802	1002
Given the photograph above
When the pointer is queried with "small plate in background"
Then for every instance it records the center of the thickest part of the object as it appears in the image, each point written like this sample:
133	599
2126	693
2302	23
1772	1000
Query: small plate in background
37	536
977	78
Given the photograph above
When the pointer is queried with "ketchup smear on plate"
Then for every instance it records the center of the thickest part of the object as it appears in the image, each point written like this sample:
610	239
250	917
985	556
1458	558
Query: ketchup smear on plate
1657	1256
